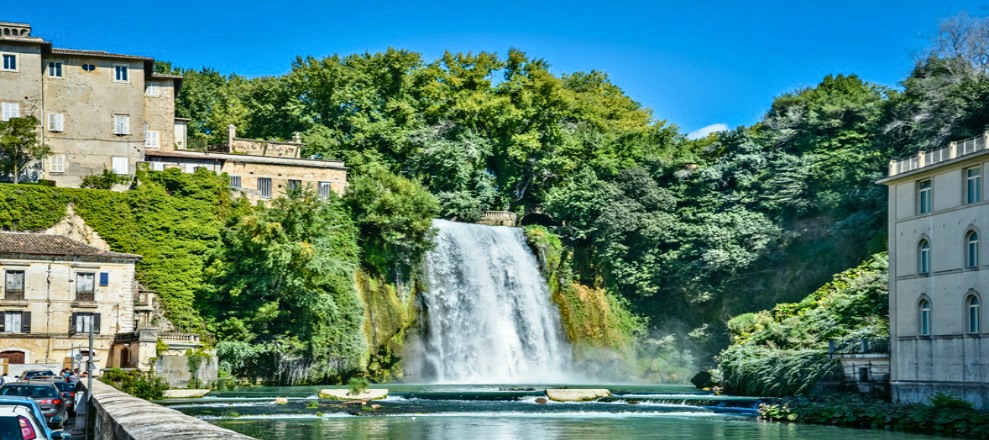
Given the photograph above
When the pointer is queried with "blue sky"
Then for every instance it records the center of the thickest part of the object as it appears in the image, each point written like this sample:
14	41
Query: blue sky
694	63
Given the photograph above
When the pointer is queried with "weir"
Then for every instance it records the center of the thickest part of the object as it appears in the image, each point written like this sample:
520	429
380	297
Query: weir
488	313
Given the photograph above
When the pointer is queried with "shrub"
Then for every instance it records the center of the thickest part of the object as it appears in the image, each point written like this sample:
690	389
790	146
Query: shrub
136	383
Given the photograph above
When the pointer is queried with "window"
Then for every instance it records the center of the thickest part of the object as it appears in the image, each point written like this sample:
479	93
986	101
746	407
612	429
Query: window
58	163
324	189
924	193
10	110
120	72
16	322
120	166
235	182
151	139
973	185
10	62
925	317
972	250
294	184
973	314
863	374
56	122
264	187
104	279
121	124
85	289
54	69
82	322
13	287
88	67
924	260
151	89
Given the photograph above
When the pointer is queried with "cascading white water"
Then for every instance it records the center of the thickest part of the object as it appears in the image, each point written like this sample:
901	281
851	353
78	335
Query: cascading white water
488	310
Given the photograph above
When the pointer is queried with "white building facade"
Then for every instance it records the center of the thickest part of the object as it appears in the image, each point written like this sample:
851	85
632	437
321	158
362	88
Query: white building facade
939	273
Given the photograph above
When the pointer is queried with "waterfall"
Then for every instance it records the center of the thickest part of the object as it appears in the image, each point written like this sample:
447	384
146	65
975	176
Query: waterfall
488	312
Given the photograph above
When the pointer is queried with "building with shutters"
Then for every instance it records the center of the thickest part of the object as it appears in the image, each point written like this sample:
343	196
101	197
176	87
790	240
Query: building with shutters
104	111
937	273
98	110
54	290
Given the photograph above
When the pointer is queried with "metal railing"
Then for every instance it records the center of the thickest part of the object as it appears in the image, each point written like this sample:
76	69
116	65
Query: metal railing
858	346
929	158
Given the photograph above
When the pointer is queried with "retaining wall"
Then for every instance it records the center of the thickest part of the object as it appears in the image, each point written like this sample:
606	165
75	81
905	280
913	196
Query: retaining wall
120	416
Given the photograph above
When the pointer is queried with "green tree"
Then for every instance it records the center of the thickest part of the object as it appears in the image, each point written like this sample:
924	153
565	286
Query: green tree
286	273
19	146
395	216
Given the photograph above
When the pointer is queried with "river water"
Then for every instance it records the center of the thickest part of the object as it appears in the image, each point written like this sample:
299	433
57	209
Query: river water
472	412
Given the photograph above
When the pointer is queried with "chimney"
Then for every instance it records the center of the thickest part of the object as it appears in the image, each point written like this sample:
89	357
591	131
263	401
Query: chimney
231	134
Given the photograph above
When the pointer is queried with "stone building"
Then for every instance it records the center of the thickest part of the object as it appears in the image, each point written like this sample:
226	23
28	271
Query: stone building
98	110
937	273
54	290
258	169
104	111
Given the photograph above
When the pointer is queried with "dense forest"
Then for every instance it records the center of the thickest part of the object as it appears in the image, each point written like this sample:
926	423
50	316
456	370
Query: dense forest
688	233
655	241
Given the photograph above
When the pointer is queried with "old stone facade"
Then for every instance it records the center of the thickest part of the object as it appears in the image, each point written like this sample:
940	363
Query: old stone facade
98	110
258	169
54	290
938	272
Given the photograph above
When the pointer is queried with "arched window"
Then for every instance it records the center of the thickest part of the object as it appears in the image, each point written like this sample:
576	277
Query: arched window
974	314
972	250
924	260
925	317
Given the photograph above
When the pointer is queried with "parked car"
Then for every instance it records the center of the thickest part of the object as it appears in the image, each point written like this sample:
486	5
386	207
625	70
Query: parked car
28	402
44	394
33	374
18	422
68	392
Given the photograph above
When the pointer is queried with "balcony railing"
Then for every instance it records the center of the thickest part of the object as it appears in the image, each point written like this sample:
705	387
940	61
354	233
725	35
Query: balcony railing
858	346
13	294
171	338
929	158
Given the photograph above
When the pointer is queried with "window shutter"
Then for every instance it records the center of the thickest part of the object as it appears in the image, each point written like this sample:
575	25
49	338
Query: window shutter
72	324
96	323
25	322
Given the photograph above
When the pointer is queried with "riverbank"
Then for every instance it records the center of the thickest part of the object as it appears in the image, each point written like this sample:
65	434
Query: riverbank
947	416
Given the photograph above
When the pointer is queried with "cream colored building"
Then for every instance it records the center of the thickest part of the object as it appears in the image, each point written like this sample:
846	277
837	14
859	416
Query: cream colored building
258	169
55	289
938	272
98	110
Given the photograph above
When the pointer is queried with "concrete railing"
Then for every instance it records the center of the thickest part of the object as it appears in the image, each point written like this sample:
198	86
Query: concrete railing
120	416
928	158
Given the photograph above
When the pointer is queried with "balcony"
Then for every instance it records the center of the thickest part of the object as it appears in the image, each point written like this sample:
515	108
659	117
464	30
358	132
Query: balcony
951	151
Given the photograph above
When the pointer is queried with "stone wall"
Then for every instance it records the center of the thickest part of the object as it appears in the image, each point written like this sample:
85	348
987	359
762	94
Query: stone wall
120	416
175	370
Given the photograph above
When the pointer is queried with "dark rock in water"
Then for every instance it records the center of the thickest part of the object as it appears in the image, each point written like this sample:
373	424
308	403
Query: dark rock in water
702	380
541	400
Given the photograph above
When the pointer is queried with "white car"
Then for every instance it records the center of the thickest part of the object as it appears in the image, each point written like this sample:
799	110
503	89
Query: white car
18	422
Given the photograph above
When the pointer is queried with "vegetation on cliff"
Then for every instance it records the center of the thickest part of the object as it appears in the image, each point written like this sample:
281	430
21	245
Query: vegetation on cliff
783	351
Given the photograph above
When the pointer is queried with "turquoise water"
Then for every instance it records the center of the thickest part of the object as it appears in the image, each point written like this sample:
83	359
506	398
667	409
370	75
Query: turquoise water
509	412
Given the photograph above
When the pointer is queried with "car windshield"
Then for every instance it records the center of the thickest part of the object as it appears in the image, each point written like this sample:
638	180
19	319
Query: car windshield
29	391
64	386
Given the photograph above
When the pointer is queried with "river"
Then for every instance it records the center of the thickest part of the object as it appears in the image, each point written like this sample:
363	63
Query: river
472	412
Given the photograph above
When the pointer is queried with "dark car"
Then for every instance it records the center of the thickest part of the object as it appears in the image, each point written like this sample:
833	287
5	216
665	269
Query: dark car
45	394
68	392
37	374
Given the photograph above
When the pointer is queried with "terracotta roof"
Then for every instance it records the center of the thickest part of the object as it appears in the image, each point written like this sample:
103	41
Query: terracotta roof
247	158
97	53
24	243
165	76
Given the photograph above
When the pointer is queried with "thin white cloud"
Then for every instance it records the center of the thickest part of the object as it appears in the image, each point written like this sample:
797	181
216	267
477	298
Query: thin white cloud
704	131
